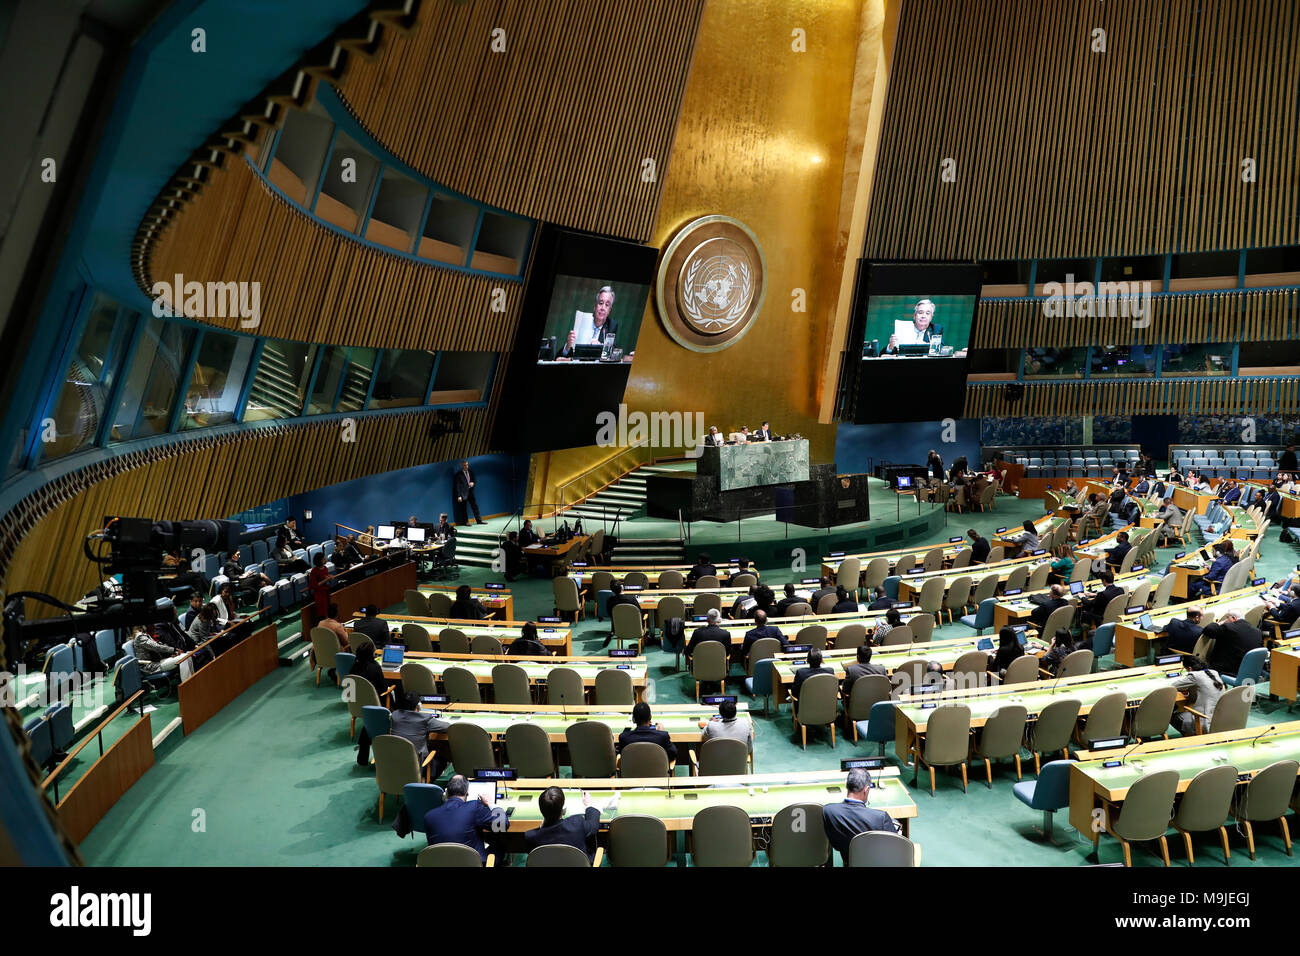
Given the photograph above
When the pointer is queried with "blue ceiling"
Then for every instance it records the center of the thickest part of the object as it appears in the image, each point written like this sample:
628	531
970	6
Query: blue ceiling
172	99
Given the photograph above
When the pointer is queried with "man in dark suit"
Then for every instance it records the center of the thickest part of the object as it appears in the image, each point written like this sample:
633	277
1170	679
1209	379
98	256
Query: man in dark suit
714	437
711	631
578	830
1287	460
1218	568
291	531
844	603
1233	637
617	596
1115	556
513	555
1286	610
764	433
1182	633
783	605
851	816
1056	598
814	667
527	535
882	601
457	820
415	726
979	547
1094	607
702	567
373	626
464	485
646	732
1231	493
1272	505
760	630
861	668
820	593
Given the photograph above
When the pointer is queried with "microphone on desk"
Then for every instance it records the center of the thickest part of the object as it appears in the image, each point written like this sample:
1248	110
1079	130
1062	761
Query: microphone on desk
1265	732
1136	744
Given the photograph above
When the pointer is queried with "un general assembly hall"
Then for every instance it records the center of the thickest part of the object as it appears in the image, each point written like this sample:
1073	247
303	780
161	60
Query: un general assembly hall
650	433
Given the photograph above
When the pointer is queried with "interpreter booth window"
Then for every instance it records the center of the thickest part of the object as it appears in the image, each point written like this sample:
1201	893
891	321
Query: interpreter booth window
356	380
1196	358
402	379
280	385
149	393
91	372
461	377
328	378
1113	361
217	380
1055	363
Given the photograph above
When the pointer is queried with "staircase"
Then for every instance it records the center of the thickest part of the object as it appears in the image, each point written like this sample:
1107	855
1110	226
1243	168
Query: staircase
648	551
624	498
475	544
274	387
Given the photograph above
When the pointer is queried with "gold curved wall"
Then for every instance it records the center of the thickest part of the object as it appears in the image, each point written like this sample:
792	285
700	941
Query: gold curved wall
771	137
319	286
556	127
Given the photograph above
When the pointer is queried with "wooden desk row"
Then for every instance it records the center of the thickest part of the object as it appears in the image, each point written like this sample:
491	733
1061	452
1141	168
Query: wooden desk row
1132	642
557	638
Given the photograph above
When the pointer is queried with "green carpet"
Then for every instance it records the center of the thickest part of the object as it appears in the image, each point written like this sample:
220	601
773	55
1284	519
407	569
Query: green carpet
277	778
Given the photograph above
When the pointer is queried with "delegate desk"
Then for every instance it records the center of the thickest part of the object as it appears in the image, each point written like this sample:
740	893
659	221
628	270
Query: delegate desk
558	639
676	800
1284	667
684	722
1099	547
909	587
500	603
890	657
1016	610
1189	500
790	626
755	463
619	572
1131	642
1011	537
1103	781
555	553
831	562
913	711
537	668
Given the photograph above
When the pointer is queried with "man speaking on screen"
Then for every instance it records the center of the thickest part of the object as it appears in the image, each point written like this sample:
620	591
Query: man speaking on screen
919	330
590	328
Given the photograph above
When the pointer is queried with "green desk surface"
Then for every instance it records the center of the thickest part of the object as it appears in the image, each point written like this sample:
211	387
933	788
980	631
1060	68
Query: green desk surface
946	654
758	801
679	726
1239	601
1130	582
470	630
1246	756
536	670
984	702
949	552
979	571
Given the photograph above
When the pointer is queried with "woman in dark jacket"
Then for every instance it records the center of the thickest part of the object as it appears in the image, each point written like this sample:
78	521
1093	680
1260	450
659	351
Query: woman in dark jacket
1008	650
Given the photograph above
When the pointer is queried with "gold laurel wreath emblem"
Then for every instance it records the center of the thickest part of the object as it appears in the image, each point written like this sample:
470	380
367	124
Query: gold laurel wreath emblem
741	301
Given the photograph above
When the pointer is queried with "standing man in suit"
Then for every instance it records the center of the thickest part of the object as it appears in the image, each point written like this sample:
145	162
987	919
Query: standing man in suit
457	820
1287	460
578	830
851	816
646	732
464	486
764	433
1182	632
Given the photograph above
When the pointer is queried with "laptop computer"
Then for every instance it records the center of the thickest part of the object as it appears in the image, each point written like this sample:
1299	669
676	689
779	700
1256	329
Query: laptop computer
1076	587
393	653
482	788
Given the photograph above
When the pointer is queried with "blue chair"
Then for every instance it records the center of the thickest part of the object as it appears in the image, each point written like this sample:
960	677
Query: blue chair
284	593
1103	639
269	598
59	718
312	551
40	736
259	551
983	616
299	587
126	679
128	650
106	645
878	728
420	798
1251	669
1049	793
215	586
328	547
761	683
301	555
890	584
60	662
343	663
271	568
602	603
211	566
377	721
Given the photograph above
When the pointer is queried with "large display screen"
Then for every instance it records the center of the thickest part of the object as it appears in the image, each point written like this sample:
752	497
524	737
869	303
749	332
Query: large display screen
909	341
578	326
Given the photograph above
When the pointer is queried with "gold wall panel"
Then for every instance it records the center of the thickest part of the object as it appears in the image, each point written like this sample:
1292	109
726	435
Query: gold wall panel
557	126
1061	151
319	286
40	539
763	137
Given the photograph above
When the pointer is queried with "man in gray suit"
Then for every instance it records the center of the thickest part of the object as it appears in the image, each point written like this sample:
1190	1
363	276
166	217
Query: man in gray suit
727	724
851	816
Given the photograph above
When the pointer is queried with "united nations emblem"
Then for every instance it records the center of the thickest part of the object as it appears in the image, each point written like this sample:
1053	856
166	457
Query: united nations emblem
710	285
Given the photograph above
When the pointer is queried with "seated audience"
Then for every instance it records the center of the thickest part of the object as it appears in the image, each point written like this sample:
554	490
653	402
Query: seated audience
578	830
466	606
814	666
727	724
647	732
851	816
528	643
457	820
